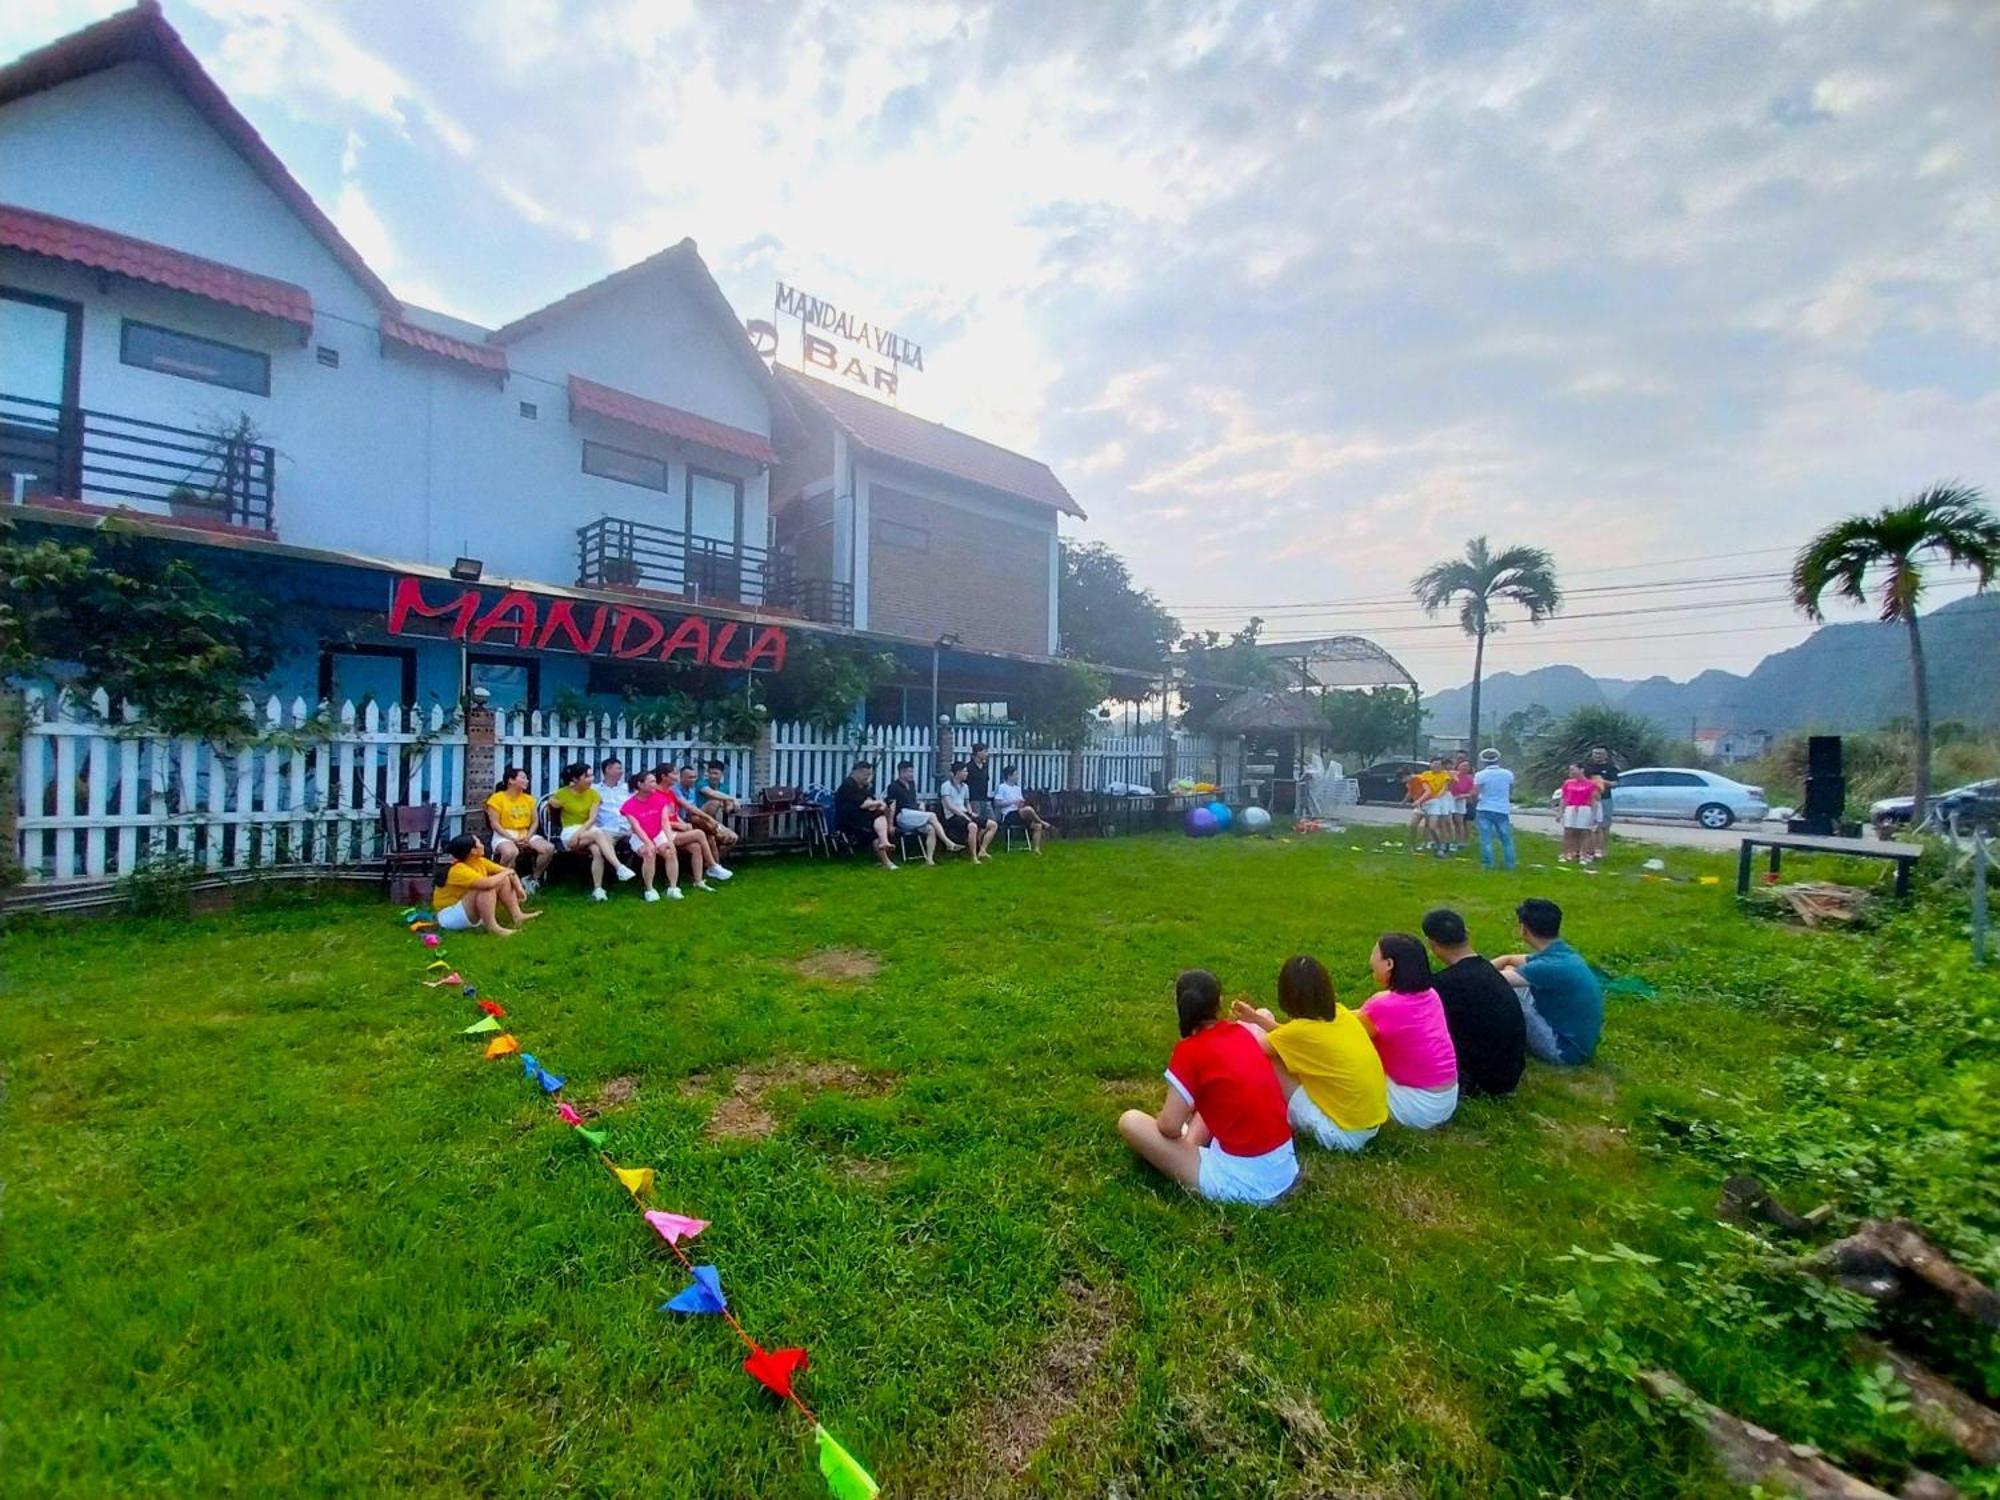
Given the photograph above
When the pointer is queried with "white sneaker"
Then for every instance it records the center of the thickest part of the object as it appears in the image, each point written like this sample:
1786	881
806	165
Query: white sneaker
598	895
716	872
625	871
652	895
674	893
703	885
531	885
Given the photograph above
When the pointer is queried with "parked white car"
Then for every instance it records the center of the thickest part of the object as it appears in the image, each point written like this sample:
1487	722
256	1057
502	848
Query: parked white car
1677	792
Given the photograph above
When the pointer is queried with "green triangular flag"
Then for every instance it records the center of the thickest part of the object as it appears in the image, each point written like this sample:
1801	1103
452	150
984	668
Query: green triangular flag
480	1026
845	1479
596	1138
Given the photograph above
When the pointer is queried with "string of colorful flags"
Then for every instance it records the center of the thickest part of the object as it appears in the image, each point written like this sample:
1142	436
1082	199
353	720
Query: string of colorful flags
776	1370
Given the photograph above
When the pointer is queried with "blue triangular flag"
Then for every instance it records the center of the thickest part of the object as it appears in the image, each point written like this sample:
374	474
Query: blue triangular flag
703	1296
550	1082
529	1067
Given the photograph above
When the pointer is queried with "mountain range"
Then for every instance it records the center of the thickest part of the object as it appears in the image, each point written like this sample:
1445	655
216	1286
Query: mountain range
1840	678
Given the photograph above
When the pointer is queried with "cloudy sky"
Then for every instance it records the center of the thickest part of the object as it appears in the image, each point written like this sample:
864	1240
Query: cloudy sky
1295	298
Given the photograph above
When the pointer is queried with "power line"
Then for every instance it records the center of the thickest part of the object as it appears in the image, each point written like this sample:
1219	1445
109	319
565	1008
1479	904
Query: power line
1405	601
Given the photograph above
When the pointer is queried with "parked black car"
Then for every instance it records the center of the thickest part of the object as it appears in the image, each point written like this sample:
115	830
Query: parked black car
1383	781
1977	802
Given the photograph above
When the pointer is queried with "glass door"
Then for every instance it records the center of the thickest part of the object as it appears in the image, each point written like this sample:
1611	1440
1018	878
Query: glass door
715	537
39	342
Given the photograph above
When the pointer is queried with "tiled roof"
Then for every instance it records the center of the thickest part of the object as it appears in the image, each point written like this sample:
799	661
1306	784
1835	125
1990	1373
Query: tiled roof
480	356
655	416
897	435
101	250
569	302
142	34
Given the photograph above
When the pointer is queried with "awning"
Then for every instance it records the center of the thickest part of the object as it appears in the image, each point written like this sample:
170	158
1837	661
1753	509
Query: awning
85	245
670	421
479	356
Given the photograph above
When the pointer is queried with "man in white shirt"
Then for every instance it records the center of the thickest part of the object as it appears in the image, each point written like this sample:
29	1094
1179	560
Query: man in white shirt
1493	786
961	822
1012	805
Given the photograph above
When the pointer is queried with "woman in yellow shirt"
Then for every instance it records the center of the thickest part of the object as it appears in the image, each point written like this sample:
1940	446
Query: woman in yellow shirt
474	889
510	816
1335	1089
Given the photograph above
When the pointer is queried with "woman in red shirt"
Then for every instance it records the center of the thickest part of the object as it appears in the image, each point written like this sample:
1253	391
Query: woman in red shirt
1222	1131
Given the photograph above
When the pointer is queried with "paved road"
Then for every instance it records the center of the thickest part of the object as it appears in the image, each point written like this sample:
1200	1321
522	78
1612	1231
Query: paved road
1534	820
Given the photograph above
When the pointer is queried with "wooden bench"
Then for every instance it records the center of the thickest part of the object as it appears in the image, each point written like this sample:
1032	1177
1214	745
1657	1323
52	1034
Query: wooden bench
1905	855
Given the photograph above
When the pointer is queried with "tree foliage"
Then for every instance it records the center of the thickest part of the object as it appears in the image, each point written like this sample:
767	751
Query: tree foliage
1105	617
1632	741
138	621
1219	669
1480	580
1061	703
1367	723
825	680
1949	522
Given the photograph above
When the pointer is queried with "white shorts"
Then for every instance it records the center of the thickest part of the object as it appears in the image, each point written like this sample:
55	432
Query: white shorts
1308	1119
910	820
454	918
1438	807
1579	817
1458	805
1421	1109
571	835
1246	1179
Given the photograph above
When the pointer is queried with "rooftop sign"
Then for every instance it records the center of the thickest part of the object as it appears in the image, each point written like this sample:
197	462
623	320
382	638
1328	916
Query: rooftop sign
851	348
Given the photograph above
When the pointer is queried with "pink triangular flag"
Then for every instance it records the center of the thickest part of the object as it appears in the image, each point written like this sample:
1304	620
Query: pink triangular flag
673	1228
566	1112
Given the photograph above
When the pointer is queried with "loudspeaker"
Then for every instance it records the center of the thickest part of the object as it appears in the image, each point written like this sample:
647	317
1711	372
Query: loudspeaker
1822	757
1826	796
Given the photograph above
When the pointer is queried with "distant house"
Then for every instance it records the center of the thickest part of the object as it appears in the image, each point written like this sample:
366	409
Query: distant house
1732	745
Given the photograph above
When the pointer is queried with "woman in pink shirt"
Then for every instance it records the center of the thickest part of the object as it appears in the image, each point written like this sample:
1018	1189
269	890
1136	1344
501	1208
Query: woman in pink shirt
1407	1021
656	835
1579	815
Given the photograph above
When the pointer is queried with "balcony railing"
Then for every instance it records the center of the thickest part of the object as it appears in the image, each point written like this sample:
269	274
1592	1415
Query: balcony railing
617	553
47	449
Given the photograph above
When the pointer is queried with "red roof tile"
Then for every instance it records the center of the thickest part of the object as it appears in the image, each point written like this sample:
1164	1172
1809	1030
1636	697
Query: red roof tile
480	356
101	250
621	406
943	450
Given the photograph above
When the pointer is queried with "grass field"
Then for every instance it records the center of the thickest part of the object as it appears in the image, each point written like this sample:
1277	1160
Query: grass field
273	1228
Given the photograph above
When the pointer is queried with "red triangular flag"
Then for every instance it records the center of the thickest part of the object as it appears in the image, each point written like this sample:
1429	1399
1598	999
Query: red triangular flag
774	1368
493	1007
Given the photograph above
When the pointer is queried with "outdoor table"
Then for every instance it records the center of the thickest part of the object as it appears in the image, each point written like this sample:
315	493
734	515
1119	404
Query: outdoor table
1904	855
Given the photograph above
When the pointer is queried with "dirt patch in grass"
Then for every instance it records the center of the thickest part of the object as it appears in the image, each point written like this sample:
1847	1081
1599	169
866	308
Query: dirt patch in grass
1011	1430
744	1113
838	965
617	1091
1593	1085
1399	1194
865	1169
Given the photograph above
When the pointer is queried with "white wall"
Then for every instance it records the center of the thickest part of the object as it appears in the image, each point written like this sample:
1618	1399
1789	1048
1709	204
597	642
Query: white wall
392	455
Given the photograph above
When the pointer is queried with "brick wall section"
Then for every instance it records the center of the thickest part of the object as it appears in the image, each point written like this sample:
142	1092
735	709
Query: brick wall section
985	579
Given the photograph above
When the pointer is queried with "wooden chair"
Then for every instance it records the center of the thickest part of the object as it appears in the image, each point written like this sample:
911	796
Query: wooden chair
412	838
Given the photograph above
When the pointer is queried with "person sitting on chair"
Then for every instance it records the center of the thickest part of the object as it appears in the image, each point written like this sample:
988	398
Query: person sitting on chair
978	781
510	817
961	821
861	815
713	792
911	815
687	806
1015	811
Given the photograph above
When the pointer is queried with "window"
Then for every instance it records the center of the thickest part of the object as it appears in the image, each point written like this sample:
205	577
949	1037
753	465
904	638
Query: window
510	682
1639	778
39	340
1680	778
531	412
627	468
358	674
192	358
908	538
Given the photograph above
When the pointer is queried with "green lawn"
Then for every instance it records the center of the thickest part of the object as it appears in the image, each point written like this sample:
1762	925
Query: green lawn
272	1227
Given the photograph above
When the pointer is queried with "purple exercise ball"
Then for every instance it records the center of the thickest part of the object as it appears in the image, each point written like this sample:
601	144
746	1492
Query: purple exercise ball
1200	823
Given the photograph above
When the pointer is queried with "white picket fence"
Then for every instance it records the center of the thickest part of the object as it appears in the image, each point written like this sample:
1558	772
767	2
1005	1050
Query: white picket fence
99	794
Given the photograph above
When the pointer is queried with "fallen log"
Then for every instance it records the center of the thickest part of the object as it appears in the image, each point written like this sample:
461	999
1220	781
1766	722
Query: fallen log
1942	1406
1922	1485
1750	1454
1746	1200
1881	1254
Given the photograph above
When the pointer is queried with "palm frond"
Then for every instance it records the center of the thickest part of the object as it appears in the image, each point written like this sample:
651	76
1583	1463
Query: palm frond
1483	577
1951	520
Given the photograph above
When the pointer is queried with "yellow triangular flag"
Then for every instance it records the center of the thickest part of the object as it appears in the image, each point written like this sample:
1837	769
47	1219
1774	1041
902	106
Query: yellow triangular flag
432	968
501	1045
637	1180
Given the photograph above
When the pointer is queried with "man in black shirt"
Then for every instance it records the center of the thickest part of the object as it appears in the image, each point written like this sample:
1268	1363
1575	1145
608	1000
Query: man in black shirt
979	782
861	815
1484	1018
907	809
1602	769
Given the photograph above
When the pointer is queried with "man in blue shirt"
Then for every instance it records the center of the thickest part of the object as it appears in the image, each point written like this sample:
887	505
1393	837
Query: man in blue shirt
1561	1000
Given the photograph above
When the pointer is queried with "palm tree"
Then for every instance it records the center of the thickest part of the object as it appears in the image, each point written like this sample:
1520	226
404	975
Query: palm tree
1481	579
1950	520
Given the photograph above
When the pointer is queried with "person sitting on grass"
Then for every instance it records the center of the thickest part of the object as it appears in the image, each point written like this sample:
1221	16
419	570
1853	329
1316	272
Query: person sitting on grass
475	889
1487	1032
863	816
1013	806
1335	1090
576	805
1222	1132
510	818
1579	796
910	814
712	791
680	786
1407	1021
963	821
1561	1000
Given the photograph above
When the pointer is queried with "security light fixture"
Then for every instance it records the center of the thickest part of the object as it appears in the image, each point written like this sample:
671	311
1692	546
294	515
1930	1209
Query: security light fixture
467	569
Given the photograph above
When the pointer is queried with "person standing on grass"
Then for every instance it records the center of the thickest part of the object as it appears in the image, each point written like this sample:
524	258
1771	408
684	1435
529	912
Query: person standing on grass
1561	1000
1335	1090
1488	1035
1462	789
510	819
1417	792
1493	789
1578	795
687	807
576	806
1600	768
978	781
1011	803
961	820
475	889
1437	806
1222	1131
861	815
1406	1019
911	815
